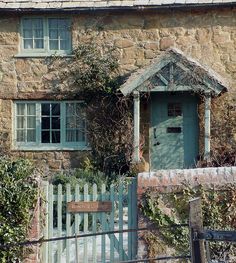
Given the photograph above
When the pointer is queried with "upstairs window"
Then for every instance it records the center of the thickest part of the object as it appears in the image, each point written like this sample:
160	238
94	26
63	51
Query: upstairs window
46	36
50	125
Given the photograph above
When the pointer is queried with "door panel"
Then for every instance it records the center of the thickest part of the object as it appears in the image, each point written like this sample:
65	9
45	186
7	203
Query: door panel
174	131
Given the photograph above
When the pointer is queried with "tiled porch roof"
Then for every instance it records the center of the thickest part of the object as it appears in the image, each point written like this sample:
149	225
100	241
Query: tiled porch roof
19	5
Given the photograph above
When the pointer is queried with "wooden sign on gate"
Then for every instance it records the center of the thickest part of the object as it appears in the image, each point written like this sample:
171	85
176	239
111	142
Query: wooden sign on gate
89	206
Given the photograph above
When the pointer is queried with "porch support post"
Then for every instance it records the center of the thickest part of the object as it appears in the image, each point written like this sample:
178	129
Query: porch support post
136	157
207	127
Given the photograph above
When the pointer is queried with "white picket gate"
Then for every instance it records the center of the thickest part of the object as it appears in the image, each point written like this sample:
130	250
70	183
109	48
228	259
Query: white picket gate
105	248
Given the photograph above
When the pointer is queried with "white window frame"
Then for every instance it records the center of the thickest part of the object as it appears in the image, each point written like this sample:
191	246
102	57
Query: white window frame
38	146
45	51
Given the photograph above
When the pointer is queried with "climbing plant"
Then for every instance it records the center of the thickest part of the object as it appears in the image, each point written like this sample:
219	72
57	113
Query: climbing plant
18	195
92	76
219	213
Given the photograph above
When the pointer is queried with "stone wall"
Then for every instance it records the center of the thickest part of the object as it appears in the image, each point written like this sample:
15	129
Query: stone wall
166	181
206	35
54	160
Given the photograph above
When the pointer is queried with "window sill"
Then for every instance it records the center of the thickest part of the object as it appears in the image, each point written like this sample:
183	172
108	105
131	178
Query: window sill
43	55
50	148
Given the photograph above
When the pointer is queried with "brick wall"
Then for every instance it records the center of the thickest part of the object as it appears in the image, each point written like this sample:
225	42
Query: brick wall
172	180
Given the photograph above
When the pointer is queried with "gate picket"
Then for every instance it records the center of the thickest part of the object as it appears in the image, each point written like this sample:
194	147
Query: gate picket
68	223
120	191
77	221
94	226
134	218
103	219
112	216
59	222
86	250
129	220
50	224
86	198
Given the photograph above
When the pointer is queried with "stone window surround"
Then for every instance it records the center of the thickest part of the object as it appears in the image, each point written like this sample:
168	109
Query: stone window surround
38	146
43	52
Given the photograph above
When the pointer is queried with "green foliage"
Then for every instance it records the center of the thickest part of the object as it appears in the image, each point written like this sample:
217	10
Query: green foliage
81	177
92	75
18	194
95	71
219	212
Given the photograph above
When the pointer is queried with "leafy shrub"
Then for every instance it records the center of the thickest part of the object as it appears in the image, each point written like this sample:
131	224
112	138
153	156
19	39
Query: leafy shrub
219	213
18	194
81	177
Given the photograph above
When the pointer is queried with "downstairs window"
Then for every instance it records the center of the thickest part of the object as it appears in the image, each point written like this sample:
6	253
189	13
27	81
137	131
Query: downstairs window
49	125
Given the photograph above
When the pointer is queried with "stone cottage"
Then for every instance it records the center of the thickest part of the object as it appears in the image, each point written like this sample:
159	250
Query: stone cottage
182	53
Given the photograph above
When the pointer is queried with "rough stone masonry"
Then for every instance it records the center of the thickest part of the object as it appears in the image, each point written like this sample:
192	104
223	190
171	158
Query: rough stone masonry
207	35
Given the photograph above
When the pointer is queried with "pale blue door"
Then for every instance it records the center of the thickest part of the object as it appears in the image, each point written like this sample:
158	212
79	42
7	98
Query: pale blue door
173	131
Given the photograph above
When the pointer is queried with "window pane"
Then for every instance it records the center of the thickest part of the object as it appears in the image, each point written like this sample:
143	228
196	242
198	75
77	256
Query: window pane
53	23
20	136
64	45
59	29
31	109
64	23
55	136
70	109
38	43
20	108
45	109
26	122
70	136
38	23
64	35
55	123
27	33
53	34
31	122
80	136
174	109
70	123
27	23
20	122
75	136
31	135
45	138
33	34
53	44
28	43
55	109
45	122
75	122
80	122
38	33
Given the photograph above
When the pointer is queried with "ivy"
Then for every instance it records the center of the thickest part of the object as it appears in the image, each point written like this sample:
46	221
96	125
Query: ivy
18	194
219	213
92	75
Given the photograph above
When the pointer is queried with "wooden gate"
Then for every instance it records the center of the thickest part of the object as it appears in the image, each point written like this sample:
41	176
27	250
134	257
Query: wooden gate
106	248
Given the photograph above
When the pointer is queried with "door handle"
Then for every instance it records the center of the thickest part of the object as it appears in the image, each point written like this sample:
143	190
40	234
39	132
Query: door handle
156	144
154	133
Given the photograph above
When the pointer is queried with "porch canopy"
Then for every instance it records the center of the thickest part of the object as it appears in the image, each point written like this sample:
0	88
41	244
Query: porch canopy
171	72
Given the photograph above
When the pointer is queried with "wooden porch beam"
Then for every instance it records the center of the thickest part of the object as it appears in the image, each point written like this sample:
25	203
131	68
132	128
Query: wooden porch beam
163	79
136	155
207	127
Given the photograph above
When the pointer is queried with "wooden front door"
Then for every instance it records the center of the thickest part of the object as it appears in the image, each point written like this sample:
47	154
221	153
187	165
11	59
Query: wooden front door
173	131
